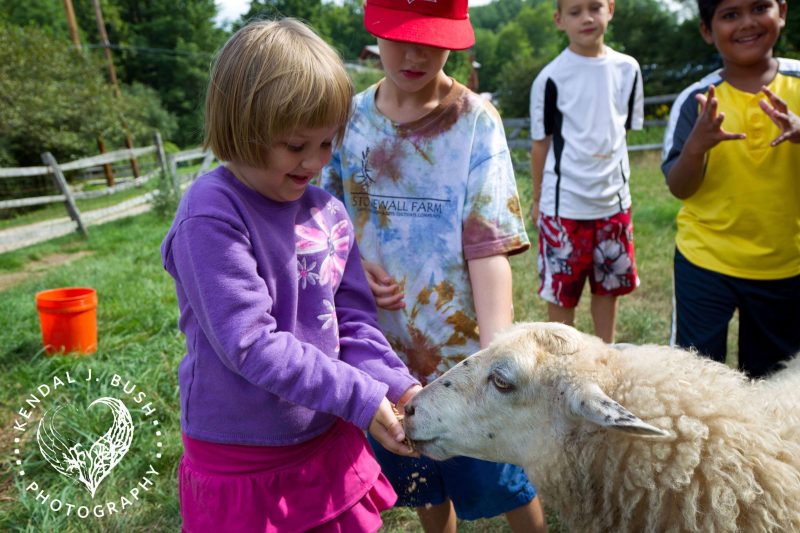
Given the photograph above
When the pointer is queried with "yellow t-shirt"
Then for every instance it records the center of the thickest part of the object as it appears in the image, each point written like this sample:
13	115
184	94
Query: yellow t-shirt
744	221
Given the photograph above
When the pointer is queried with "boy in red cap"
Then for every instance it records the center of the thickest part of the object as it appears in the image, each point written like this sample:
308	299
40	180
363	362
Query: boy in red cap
425	172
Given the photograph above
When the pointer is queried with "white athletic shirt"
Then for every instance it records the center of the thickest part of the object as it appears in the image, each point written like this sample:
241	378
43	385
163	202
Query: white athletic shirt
586	104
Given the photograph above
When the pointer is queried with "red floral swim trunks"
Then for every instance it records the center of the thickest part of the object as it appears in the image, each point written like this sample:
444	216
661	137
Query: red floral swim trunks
572	250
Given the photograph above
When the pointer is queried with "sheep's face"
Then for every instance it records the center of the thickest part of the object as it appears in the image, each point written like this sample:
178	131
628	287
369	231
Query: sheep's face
496	403
522	395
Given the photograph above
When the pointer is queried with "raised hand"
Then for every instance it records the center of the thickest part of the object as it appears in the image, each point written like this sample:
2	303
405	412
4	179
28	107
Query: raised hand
779	112
386	291
687	174
708	131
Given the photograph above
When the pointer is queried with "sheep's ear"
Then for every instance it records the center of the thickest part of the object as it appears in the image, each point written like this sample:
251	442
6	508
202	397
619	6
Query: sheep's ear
557	338
590	403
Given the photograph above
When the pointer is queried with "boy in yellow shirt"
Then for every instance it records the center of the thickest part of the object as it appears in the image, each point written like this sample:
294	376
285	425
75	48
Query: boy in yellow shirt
738	237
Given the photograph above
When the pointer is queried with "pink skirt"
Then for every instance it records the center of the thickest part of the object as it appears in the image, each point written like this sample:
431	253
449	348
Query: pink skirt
330	484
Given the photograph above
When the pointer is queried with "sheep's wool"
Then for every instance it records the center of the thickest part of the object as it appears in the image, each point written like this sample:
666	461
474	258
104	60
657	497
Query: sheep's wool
640	439
734	464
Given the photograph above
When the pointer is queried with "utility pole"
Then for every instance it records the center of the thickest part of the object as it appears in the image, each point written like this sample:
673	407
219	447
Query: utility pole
76	40
112	74
101	29
73	26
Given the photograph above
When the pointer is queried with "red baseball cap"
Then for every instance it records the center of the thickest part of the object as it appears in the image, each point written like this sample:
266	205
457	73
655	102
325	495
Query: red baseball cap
439	23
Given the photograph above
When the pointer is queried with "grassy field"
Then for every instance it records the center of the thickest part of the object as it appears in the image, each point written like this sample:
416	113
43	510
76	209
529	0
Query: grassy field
139	342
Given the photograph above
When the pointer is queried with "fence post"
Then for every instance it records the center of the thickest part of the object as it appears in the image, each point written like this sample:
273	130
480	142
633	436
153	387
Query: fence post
160	155
162	161
134	163
173	168
207	160
61	183
107	167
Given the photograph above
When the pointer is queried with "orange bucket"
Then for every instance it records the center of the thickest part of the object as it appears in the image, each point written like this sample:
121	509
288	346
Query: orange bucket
68	317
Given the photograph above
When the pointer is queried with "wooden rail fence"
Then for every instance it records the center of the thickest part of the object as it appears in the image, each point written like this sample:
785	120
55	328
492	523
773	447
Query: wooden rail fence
167	166
516	127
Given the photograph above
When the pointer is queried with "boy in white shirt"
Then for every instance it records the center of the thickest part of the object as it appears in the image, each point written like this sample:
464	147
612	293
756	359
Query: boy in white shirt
582	104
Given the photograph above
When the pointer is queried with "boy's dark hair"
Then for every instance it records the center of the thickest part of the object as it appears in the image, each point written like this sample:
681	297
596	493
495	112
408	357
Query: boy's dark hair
706	8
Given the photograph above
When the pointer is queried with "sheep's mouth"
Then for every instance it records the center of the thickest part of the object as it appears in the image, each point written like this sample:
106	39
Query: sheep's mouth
422	444
433	448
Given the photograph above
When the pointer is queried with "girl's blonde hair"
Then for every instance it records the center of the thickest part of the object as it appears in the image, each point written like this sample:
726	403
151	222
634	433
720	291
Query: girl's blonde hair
271	79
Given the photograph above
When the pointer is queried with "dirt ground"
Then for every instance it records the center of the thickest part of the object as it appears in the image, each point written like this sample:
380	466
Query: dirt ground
39	267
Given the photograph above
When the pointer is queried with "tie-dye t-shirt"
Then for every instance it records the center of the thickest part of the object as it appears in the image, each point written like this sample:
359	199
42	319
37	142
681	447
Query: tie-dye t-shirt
426	197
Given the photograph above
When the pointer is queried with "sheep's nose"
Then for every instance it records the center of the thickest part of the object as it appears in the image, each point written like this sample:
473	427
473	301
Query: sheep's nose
409	409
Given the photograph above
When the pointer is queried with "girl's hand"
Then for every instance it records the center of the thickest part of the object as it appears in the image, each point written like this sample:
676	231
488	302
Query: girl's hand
386	291
387	429
788	122
406	397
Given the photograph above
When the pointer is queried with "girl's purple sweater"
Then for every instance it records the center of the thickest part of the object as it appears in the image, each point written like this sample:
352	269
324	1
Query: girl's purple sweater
280	324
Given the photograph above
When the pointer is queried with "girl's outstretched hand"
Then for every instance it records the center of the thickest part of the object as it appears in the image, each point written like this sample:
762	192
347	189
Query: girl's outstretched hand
406	397
387	429
779	112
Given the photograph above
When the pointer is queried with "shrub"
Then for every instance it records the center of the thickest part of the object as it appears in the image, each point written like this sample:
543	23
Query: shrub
53	98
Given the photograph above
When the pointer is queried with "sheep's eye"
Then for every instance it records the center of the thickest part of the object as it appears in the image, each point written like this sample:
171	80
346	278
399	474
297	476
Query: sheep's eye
501	384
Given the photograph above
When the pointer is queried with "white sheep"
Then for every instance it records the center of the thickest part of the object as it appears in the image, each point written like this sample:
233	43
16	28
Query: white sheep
707	449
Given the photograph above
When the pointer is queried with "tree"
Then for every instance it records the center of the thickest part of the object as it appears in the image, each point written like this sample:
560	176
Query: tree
343	27
142	111
48	16
459	66
544	38
54	99
486	54
515	57
517	32
168	46
514	85
668	50
163	44
306	10
494	15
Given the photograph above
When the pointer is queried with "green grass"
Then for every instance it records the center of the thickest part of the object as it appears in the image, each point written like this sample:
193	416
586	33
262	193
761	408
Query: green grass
139	340
651	135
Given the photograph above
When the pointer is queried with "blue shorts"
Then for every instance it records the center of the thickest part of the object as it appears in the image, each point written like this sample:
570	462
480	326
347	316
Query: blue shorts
769	316
478	489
